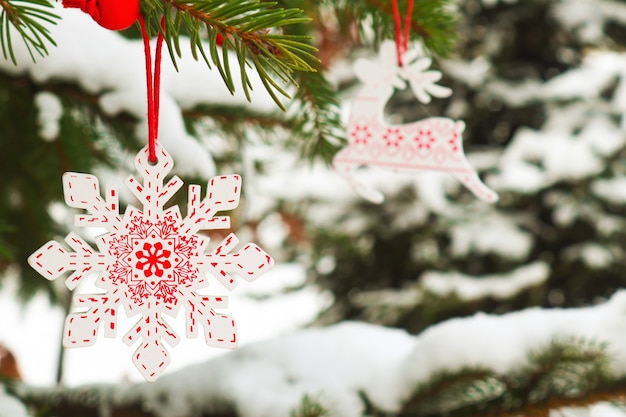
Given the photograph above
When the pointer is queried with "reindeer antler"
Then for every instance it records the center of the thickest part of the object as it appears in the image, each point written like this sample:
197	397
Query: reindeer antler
422	82
384	72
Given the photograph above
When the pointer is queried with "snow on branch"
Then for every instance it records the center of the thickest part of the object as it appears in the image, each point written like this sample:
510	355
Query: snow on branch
341	364
466	287
498	286
83	57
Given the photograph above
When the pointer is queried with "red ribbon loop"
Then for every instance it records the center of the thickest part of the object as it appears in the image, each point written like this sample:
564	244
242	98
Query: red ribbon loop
153	86
402	39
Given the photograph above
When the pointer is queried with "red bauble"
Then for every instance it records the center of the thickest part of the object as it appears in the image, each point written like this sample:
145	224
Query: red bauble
110	14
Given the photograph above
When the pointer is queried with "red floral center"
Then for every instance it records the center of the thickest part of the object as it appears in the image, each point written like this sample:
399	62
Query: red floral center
153	259
393	137
424	139
361	134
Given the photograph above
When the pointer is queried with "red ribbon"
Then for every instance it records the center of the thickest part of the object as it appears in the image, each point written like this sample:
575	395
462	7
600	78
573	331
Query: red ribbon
402	39
121	14
153	86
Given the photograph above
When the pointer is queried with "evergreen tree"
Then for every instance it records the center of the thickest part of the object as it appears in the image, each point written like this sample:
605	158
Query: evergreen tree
541	87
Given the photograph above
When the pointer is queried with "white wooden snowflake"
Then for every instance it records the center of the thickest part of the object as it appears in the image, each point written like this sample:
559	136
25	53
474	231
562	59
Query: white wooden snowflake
151	261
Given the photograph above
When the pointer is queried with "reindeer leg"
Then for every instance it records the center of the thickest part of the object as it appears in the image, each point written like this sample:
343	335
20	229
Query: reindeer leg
346	167
472	181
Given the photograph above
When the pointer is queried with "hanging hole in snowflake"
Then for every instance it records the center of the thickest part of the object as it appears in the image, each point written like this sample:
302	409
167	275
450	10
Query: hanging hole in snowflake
153	163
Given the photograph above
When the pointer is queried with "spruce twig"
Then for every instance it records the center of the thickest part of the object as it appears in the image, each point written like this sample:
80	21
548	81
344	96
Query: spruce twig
28	18
432	22
566	370
250	29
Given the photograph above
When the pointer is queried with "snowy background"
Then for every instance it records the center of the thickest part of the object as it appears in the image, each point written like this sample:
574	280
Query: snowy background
33	331
336	363
122	88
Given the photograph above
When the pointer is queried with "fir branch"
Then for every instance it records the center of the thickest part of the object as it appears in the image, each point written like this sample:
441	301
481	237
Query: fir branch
465	393
567	368
310	407
228	118
614	393
317	118
249	28
315	114
432	22
29	19
447	392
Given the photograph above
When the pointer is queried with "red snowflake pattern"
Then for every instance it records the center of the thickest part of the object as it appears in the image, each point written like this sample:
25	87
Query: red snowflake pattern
454	141
424	139
393	137
360	134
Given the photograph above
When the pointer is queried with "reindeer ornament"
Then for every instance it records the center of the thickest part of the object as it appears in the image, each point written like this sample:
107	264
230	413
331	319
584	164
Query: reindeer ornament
431	144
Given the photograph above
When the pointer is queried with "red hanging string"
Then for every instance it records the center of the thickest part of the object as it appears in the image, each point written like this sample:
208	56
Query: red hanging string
407	24
402	39
153	86
157	78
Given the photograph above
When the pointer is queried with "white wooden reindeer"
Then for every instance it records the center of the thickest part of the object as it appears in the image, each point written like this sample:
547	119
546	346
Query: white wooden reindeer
431	144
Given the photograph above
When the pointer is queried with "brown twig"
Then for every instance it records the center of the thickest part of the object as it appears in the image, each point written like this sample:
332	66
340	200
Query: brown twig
617	393
251	39
12	15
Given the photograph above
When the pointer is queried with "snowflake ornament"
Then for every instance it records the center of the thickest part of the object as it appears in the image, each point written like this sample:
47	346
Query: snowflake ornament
431	144
151	261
